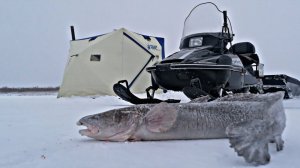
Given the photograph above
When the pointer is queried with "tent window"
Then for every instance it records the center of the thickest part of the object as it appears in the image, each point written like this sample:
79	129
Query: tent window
95	57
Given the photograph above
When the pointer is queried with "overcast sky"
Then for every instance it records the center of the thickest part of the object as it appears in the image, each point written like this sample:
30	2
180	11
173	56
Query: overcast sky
35	33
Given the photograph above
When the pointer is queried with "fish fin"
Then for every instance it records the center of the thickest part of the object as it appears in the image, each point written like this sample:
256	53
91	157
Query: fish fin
250	140
279	143
161	117
124	136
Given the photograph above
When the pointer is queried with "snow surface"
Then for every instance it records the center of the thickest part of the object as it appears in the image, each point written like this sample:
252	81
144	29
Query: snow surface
41	131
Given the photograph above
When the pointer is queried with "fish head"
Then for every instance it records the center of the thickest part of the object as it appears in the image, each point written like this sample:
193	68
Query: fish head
113	125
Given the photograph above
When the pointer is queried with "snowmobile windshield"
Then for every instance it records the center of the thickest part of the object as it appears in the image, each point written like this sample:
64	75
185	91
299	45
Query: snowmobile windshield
204	18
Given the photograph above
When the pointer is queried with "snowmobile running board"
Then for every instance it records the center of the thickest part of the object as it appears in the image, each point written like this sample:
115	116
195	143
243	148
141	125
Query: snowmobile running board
124	93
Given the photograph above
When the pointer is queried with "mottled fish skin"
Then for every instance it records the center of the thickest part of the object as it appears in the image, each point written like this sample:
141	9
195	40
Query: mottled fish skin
204	121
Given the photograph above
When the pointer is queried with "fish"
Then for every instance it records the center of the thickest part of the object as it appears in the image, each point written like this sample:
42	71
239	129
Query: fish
249	121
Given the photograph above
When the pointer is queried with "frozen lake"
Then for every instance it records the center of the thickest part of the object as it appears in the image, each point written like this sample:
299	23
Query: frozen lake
40	131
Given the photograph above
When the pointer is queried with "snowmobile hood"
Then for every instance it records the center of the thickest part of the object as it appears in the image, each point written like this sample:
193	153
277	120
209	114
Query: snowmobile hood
200	55
186	54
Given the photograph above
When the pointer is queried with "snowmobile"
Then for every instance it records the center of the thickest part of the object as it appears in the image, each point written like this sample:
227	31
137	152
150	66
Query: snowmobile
208	63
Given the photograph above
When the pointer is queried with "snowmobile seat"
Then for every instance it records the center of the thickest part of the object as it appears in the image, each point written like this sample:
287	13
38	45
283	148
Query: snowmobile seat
246	52
242	48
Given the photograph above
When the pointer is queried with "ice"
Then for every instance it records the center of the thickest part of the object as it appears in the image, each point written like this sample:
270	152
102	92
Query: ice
41	131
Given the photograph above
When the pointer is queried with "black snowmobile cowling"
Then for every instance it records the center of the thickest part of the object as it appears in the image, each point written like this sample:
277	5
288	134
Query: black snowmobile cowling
204	63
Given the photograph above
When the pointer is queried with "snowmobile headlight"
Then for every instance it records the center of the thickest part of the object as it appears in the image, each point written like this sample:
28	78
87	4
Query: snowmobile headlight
196	42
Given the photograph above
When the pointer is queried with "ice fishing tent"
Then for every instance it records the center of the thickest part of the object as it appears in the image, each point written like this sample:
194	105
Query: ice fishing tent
96	63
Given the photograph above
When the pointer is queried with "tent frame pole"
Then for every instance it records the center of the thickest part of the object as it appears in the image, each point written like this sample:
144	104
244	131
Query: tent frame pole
72	33
135	78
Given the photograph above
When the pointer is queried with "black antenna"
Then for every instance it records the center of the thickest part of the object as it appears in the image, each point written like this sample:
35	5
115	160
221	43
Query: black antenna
225	28
73	33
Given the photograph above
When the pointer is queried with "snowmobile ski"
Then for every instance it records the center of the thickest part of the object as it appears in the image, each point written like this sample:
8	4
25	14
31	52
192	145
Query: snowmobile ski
124	93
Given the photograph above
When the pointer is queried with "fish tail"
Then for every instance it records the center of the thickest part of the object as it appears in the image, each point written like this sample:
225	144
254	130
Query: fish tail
250	140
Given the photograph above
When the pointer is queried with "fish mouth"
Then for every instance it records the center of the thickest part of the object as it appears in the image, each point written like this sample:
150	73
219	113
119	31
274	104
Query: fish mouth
89	131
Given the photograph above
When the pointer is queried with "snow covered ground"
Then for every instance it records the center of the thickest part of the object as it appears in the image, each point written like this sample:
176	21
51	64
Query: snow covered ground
39	131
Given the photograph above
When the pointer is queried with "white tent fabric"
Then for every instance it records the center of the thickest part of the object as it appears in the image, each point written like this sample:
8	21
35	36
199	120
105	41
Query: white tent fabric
96	63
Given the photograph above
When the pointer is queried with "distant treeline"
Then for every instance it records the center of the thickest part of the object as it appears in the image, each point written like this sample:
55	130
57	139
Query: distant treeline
28	89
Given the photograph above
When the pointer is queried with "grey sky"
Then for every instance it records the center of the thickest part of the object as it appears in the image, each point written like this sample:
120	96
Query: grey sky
35	33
